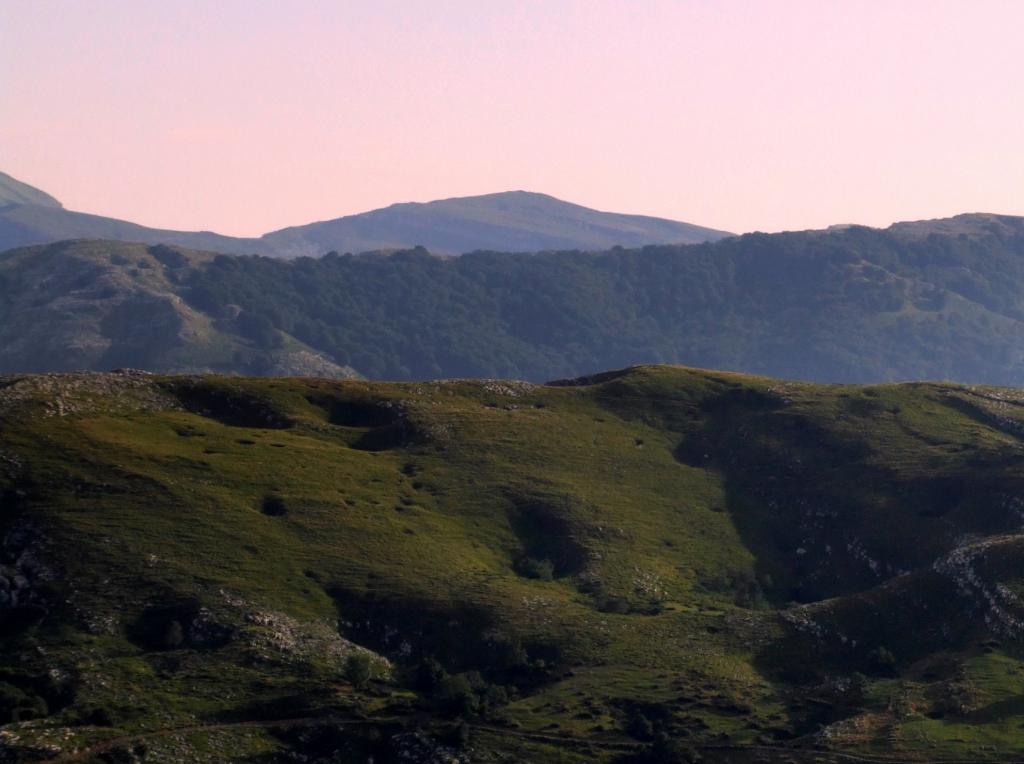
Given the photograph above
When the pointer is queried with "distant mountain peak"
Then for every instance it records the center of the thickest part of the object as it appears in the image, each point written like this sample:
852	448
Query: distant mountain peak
507	221
14	191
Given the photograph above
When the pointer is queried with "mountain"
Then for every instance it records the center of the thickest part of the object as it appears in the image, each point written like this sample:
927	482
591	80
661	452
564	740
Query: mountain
92	304
928	300
15	192
30	216
649	565
514	221
26	224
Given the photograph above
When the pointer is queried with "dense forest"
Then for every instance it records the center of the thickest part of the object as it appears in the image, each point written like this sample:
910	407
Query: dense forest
853	304
936	300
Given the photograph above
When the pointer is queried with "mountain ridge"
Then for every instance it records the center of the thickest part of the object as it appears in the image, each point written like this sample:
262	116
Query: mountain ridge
529	221
933	300
14	191
447	226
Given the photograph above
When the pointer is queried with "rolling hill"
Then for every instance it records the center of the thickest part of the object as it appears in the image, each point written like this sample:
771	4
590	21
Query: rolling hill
82	305
926	300
650	565
513	221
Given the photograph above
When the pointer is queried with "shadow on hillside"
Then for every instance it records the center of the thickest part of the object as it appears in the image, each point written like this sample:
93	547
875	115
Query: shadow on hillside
830	522
793	489
546	532
229	404
386	424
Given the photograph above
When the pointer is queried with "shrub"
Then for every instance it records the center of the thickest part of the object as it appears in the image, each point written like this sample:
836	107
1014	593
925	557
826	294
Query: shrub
17	705
429	675
491	698
460	735
99	717
359	669
508	653
173	635
617	605
455	696
640	727
667	750
881	660
530	567
273	506
747	590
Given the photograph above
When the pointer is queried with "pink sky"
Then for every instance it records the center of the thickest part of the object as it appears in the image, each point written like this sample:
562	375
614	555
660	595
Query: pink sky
243	116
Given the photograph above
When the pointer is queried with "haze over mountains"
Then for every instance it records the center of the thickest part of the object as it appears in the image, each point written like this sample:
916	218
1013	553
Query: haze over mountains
514	221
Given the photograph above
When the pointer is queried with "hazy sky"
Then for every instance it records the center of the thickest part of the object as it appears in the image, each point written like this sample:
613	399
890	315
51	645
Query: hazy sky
247	116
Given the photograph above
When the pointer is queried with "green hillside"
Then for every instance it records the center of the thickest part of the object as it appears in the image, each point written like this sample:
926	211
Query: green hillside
647	565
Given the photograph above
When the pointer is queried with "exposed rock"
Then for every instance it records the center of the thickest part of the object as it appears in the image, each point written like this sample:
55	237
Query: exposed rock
417	748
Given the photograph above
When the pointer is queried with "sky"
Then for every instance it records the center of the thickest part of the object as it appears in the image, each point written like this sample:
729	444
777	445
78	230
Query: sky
243	117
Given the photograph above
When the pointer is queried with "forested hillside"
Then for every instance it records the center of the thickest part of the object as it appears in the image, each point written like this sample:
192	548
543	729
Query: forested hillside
936	300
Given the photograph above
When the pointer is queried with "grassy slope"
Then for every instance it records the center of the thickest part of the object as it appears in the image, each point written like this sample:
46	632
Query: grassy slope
100	304
767	538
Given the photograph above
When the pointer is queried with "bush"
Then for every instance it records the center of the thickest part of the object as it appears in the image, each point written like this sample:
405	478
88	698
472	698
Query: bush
16	705
747	590
640	727
469	695
460	735
429	675
456	696
273	506
359	669
173	635
508	653
616	605
530	567
99	717
492	697
881	660
666	750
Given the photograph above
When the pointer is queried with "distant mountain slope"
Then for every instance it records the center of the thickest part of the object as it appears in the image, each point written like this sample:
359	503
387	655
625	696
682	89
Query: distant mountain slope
15	192
927	300
510	222
514	221
25	224
89	304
